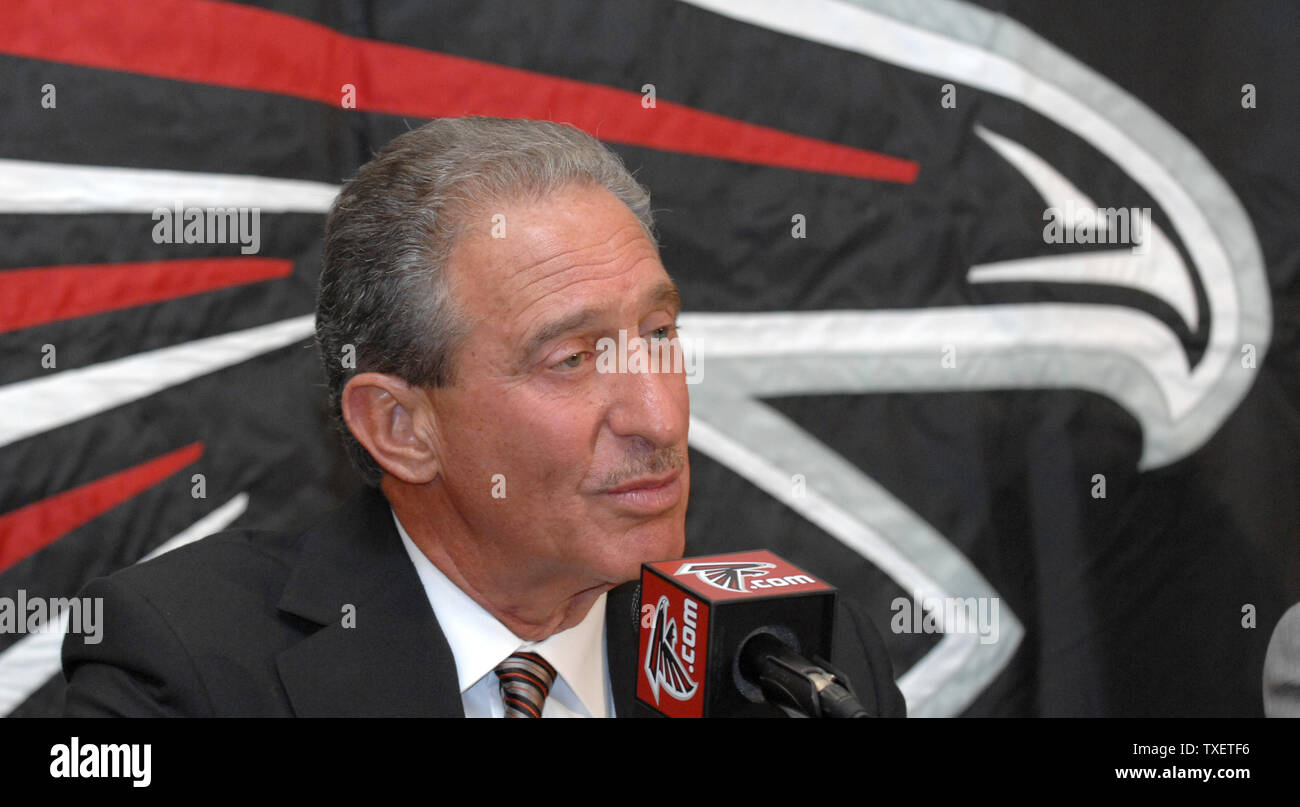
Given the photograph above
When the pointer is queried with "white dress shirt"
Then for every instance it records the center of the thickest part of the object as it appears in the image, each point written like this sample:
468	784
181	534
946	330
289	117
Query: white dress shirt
479	642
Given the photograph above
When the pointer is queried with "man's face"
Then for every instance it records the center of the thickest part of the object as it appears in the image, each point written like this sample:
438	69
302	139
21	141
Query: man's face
593	464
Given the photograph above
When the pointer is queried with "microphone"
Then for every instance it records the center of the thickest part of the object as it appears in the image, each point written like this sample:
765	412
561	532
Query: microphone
731	636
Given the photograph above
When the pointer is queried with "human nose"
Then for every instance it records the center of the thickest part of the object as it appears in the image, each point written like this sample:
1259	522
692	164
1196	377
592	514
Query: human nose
654	406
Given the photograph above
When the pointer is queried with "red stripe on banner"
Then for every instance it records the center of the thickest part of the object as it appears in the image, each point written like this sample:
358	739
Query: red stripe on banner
38	295
250	48
31	528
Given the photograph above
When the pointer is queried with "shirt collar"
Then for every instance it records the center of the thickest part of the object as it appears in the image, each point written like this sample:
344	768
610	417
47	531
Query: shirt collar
479	642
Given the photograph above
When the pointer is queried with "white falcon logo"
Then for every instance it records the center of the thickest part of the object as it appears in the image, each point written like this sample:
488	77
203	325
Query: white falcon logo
730	576
662	666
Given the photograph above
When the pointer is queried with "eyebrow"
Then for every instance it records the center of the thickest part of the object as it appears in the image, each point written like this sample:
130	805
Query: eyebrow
663	294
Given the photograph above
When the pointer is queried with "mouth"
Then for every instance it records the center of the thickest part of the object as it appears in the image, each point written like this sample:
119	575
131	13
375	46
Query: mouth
647	495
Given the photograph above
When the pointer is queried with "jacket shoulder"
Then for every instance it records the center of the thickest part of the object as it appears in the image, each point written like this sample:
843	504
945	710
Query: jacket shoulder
180	631
225	564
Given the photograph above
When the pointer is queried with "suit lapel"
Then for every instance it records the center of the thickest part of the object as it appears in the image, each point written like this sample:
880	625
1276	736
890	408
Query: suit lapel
622	624
389	658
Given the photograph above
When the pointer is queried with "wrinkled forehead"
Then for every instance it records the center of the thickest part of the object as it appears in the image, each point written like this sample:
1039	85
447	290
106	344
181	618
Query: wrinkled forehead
582	243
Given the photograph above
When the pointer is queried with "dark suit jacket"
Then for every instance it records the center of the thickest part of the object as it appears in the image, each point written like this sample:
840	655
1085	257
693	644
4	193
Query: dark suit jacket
252	623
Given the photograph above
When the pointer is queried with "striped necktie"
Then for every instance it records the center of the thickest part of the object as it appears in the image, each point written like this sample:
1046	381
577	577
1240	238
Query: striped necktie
525	680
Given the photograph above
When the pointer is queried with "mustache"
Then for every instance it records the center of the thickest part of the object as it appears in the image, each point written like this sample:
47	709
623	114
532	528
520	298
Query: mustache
656	462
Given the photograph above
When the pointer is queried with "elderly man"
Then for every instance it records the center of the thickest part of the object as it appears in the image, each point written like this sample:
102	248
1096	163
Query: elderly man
471	271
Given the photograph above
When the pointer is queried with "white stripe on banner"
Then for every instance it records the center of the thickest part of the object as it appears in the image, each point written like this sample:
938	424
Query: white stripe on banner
37	405
37	187
31	661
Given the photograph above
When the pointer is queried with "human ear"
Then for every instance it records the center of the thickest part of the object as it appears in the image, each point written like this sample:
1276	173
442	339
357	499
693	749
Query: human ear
395	422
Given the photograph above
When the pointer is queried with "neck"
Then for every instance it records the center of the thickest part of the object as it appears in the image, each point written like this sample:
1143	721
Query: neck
532	603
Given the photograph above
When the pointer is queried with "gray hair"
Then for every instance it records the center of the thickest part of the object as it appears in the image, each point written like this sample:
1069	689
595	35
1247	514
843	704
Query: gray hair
384	294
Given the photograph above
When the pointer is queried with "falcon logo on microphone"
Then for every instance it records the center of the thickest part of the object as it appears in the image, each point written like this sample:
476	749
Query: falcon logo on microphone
663	666
729	576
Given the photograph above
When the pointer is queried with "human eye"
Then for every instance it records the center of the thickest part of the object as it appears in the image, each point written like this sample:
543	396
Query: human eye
664	332
572	362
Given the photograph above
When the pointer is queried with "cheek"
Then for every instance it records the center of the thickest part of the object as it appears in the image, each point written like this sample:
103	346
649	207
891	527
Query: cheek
539	445
474	445
555	441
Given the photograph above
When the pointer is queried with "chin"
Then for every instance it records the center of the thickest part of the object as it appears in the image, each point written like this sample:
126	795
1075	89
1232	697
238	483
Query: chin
669	544
666	542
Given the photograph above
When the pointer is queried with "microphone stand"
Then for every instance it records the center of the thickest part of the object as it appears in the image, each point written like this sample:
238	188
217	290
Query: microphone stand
794	684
